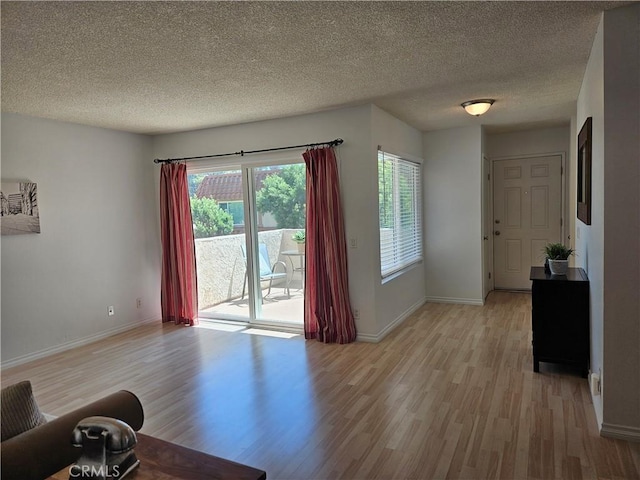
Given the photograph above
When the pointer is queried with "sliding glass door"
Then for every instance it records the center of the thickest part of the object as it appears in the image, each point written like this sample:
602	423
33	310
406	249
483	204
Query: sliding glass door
246	221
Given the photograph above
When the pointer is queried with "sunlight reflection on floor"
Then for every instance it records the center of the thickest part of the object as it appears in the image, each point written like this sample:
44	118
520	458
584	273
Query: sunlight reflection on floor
270	333
222	327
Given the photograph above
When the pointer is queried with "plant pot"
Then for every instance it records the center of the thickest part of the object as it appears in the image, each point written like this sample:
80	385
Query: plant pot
301	248
558	267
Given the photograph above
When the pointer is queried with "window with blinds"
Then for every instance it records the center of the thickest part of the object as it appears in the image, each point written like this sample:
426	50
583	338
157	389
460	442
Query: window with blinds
399	200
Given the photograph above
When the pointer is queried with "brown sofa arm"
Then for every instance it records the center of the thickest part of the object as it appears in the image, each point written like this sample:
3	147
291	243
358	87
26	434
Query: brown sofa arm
42	451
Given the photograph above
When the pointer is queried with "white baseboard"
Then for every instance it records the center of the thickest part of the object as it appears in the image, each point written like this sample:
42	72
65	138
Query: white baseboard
464	301
621	432
74	343
597	407
367	337
370	338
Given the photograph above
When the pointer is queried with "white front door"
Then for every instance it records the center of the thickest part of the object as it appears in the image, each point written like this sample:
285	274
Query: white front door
527	214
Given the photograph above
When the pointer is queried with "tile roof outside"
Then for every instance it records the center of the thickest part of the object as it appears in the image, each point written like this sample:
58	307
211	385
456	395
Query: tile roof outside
227	187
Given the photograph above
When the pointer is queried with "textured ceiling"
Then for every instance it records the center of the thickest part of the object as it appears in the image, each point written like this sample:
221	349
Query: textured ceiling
156	67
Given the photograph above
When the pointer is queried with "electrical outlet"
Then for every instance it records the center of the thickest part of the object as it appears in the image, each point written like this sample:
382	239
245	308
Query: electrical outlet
356	313
138	302
595	384
353	242
600	380
112	311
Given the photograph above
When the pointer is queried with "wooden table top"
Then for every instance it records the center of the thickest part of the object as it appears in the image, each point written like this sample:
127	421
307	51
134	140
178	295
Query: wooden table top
160	460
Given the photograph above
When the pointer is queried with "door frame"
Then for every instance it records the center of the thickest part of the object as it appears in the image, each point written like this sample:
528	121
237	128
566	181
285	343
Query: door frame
564	192
246	165
487	227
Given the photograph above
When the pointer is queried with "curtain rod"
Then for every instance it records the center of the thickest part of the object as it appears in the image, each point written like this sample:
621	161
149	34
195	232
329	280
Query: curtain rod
242	153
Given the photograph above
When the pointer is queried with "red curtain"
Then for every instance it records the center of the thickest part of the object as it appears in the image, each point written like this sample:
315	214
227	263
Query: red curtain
327	311
179	291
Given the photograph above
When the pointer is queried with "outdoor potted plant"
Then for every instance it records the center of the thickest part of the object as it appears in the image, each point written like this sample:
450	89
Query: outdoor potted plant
558	257
299	237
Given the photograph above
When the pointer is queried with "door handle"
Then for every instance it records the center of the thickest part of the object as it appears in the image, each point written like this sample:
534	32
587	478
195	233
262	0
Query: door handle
485	238
497	232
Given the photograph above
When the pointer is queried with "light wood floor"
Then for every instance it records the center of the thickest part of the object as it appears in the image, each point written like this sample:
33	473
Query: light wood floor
449	394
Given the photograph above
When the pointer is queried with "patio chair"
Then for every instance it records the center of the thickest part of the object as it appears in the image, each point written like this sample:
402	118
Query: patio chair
267	270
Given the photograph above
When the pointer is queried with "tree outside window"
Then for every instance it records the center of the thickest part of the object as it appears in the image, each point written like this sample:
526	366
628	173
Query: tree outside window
283	194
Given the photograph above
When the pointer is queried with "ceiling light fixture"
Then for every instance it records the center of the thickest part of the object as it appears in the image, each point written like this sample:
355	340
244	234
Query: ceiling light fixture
477	107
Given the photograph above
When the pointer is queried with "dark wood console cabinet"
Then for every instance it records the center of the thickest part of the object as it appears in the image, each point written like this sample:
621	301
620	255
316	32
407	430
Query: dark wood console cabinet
560	318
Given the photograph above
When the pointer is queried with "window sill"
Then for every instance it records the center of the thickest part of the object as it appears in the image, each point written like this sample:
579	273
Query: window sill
400	272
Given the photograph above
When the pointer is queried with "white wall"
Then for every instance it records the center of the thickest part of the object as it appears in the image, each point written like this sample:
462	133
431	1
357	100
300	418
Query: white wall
397	298
590	238
528	142
610	246
572	204
453	215
99	244
621	395
358	174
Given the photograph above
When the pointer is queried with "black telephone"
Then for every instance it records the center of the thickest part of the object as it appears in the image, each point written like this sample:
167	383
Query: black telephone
107	449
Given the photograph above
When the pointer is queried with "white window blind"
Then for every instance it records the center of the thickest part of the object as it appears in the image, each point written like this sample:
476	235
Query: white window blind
399	199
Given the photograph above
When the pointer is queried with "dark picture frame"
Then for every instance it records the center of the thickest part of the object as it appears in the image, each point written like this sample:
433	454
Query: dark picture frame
584	173
19	211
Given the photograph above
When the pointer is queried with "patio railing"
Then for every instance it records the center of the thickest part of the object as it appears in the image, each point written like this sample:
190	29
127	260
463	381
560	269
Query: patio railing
221	265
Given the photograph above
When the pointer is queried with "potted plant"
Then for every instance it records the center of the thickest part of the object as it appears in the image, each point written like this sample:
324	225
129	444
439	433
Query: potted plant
558	257
299	237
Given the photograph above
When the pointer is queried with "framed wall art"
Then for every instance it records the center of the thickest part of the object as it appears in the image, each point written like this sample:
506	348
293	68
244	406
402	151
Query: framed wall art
19	212
584	173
